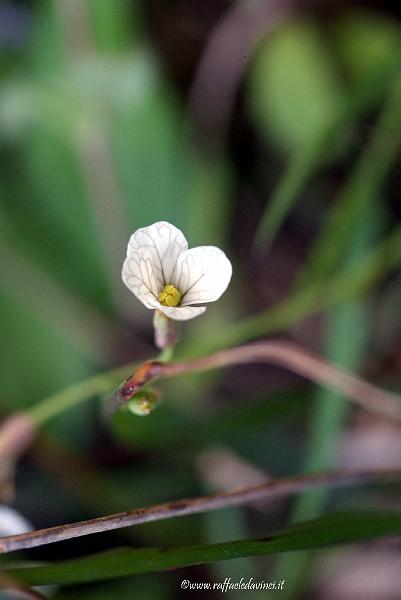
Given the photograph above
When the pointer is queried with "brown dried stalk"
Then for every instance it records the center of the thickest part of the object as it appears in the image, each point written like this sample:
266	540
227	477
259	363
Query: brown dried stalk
280	353
272	489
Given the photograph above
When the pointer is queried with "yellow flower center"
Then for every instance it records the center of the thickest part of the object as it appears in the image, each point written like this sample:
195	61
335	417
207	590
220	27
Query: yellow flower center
169	296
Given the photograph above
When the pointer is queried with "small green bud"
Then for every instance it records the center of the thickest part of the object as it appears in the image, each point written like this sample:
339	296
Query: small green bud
143	403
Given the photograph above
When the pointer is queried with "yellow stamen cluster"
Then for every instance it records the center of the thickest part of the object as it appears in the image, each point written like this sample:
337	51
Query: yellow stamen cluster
169	296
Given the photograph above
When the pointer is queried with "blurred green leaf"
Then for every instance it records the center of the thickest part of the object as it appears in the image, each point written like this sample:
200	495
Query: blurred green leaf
45	51
341	528
372	73
61	234
169	428
112	23
164	177
368	43
92	88
38	360
300	168
294	92
143	588
359	193
79	323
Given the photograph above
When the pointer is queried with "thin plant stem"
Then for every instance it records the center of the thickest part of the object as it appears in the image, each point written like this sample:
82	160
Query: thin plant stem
56	404
277	488
276	352
166	354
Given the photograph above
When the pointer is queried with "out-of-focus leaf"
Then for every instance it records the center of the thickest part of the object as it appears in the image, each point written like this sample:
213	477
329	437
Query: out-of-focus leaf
341	528
169	428
359	192
164	178
111	23
296	100
368	43
91	88
38	361
300	168
386	336
88	329
61	235
205	197
45	49
294	93
372	68
143	588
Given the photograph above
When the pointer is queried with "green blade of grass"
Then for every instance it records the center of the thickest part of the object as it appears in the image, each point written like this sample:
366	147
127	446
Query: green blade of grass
325	531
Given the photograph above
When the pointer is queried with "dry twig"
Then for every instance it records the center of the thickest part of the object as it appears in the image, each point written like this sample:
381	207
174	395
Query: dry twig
272	489
280	353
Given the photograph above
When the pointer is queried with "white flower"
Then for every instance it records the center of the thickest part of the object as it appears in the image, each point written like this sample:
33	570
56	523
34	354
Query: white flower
12	522
163	274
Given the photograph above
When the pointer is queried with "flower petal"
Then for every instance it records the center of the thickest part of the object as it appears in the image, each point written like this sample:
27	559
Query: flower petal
202	274
165	242
151	259
139	275
182	313
12	522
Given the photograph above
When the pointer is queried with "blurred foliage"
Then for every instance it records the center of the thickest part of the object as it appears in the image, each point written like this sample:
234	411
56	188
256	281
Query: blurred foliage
96	140
294	90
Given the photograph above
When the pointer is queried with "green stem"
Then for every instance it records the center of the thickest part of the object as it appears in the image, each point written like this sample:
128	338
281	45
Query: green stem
77	393
99	384
166	354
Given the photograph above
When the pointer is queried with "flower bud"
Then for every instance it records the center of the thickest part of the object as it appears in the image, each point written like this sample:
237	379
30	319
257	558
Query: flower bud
143	403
